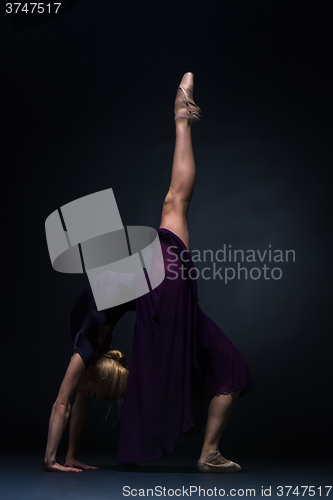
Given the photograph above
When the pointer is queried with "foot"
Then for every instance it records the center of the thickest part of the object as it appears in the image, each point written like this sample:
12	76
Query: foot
219	459
185	106
217	463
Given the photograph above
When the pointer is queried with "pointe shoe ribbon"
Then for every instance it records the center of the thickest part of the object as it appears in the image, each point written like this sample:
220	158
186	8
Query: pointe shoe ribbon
228	466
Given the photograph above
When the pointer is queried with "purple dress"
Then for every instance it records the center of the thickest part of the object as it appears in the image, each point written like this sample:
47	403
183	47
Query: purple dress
178	354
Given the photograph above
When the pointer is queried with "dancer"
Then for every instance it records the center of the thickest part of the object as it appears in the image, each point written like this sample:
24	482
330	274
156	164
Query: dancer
178	350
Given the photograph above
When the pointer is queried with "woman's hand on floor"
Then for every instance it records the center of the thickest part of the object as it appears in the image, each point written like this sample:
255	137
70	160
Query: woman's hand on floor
72	462
60	468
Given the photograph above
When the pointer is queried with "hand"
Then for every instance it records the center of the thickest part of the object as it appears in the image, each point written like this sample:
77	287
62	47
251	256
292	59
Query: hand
72	462
59	468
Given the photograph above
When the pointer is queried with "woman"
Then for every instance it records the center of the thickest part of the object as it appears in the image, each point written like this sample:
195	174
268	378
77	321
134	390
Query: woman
93	371
179	352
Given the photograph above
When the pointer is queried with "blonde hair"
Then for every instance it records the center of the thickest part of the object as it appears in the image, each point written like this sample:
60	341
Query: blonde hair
110	374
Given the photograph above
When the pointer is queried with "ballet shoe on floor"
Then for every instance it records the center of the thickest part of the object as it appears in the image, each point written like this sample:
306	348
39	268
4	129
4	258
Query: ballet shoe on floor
185	106
227	466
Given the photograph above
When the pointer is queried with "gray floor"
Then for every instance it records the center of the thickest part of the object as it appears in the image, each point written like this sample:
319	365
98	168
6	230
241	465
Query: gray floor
22	477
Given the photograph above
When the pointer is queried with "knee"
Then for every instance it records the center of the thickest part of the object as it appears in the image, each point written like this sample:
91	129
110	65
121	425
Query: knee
175	202
169	200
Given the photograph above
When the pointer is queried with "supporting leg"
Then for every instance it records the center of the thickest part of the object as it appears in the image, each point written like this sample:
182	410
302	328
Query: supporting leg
219	411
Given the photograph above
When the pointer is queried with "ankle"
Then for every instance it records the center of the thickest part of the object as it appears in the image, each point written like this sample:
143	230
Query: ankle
207	451
183	123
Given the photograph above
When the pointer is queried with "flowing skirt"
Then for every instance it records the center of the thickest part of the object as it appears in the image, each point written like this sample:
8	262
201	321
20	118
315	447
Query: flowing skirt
179	355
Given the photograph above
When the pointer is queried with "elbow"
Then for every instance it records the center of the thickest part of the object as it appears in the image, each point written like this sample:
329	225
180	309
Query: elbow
61	406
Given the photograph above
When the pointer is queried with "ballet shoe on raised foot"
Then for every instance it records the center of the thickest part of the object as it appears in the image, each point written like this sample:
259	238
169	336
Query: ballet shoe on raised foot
185	106
227	466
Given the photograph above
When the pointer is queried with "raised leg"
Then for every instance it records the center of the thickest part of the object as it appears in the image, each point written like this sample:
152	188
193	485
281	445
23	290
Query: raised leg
180	192
181	188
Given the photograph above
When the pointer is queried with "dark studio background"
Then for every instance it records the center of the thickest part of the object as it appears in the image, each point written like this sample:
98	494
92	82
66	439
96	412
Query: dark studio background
87	104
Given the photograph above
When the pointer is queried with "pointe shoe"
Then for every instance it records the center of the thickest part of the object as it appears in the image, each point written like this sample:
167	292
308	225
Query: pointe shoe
185	106
228	466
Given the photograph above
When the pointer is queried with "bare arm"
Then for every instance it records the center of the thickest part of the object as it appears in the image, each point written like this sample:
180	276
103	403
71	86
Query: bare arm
60	413
80	409
79	417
